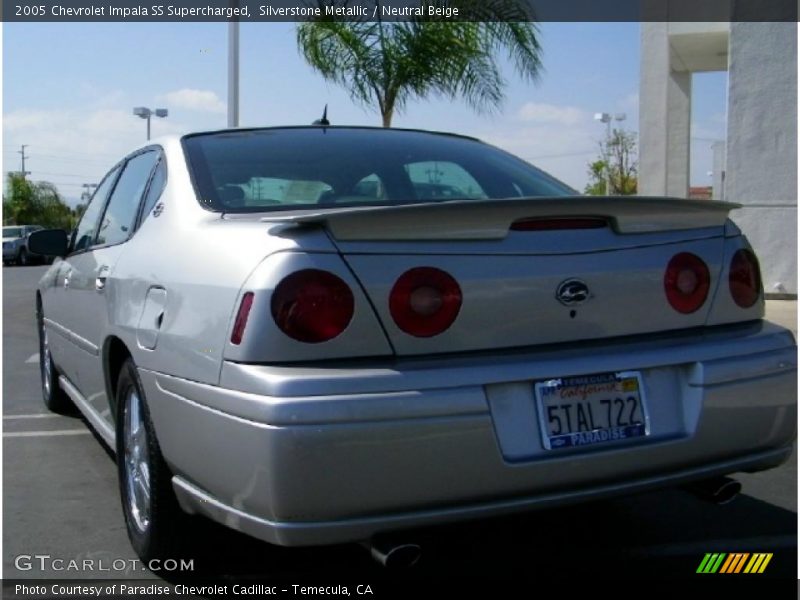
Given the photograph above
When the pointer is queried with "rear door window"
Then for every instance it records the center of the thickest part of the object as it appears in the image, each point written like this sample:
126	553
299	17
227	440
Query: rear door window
120	216
83	236
157	184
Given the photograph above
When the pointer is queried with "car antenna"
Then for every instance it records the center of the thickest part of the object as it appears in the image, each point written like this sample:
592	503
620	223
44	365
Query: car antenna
324	120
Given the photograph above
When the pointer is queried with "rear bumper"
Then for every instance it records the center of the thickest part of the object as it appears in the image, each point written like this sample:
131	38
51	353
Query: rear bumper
315	455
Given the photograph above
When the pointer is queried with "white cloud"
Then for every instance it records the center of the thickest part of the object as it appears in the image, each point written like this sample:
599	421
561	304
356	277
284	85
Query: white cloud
71	147
191	99
707	131
631	102
561	150
550	113
559	139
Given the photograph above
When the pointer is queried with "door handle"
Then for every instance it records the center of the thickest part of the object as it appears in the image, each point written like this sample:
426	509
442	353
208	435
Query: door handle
100	280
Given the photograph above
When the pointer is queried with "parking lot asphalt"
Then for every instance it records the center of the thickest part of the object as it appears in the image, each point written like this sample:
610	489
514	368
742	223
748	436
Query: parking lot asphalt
60	499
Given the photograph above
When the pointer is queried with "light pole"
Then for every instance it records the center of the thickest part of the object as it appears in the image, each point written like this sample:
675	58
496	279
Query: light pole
233	67
606	118
146	113
233	73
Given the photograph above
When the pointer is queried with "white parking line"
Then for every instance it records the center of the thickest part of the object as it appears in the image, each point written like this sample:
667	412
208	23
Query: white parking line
18	434
33	358
34	416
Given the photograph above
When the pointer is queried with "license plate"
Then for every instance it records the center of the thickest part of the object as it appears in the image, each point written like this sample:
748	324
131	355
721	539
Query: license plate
591	409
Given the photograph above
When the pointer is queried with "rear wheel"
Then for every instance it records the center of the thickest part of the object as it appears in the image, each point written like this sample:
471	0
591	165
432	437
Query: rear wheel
152	515
54	397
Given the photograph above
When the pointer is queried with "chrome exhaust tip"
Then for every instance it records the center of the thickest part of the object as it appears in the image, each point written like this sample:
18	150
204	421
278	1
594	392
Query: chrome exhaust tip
719	490
394	555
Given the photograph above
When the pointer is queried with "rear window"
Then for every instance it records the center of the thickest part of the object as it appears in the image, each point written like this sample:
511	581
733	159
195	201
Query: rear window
301	168
12	232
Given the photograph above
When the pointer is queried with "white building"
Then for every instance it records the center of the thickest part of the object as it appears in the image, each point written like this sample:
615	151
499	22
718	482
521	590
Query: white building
757	165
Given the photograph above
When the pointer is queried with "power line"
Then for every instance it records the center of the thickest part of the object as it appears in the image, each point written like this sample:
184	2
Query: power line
82	176
61	157
80	160
565	155
71	153
89	154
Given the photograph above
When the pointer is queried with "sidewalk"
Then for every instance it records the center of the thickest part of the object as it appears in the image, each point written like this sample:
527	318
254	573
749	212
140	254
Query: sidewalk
783	312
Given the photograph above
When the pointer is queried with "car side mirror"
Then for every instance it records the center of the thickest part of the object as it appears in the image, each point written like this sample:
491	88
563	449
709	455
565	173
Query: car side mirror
49	242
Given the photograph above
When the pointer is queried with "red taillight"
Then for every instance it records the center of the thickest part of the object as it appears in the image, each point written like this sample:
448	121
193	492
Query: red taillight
686	282
312	306
539	224
744	278
241	318
425	301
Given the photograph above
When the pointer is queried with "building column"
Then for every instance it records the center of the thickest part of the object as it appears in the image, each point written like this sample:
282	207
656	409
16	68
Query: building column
664	118
761	169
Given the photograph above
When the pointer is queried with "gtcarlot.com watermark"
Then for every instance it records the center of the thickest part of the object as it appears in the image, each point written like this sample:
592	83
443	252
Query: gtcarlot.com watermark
101	564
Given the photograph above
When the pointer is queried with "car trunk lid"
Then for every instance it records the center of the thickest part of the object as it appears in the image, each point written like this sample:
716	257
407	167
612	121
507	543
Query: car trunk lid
513	258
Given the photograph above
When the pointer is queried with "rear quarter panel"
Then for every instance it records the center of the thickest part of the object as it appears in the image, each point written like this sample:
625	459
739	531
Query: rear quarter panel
201	261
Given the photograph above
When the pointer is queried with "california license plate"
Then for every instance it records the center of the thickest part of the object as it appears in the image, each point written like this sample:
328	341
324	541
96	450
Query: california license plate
591	409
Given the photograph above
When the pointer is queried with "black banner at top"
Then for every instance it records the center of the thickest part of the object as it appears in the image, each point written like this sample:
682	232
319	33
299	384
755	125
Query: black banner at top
398	10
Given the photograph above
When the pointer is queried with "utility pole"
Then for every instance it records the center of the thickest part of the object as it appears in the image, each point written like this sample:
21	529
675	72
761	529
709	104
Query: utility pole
88	188
22	153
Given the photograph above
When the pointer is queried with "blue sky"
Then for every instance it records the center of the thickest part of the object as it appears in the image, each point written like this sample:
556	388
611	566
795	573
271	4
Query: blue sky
68	91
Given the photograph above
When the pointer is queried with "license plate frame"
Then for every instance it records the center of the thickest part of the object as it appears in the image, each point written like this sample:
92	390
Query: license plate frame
600	436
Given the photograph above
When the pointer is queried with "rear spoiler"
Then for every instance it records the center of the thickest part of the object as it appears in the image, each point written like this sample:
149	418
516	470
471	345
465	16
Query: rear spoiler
492	219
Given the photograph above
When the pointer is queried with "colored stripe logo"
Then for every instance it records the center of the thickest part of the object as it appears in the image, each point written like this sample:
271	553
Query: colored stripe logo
734	562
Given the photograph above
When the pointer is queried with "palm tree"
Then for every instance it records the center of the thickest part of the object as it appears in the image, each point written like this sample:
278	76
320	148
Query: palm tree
390	63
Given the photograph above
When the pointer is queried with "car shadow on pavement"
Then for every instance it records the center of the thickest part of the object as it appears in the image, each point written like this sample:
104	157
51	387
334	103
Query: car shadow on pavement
660	534
663	534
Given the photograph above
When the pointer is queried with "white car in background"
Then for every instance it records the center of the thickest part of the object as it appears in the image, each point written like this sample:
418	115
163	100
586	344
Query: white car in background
15	244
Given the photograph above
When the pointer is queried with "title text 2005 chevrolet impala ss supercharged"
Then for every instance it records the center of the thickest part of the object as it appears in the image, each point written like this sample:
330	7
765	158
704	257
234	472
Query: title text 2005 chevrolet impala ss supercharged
317	334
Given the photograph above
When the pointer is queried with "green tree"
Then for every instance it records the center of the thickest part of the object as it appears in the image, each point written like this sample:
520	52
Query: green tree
597	178
78	211
35	203
384	65
617	163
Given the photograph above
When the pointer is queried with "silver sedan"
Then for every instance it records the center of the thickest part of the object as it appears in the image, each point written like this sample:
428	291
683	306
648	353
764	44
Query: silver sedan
318	334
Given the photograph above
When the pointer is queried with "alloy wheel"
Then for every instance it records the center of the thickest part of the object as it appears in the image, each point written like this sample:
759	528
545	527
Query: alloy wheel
46	363
137	462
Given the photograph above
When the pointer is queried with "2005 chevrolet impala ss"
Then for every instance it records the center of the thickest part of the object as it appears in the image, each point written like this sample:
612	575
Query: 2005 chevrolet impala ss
317	334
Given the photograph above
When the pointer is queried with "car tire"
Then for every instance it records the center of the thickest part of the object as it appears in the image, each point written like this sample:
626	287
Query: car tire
55	399
152	516
24	258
